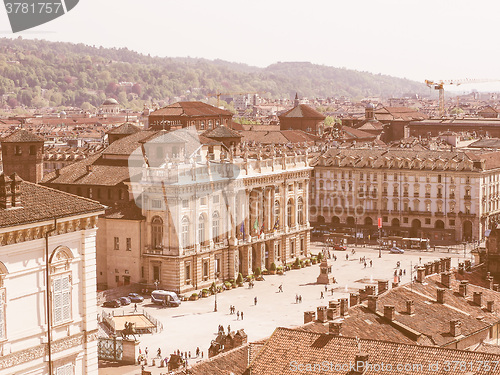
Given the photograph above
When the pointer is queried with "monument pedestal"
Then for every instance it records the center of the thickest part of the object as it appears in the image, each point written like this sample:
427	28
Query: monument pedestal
325	276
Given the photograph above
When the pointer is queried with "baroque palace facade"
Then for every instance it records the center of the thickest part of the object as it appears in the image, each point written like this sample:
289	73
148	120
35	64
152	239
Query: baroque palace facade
440	195
211	213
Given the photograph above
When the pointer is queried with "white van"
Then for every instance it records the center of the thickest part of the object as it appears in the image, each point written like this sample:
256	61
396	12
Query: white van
163	297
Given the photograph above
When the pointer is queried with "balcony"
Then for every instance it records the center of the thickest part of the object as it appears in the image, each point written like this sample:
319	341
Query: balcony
438	214
451	214
162	251
467	197
405	194
440	195
427	195
452	195
416	195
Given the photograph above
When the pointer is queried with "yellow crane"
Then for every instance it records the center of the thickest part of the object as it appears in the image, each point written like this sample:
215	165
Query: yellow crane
218	94
439	85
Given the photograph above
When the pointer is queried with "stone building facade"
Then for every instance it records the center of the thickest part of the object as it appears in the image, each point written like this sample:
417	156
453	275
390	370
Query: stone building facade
48	325
440	195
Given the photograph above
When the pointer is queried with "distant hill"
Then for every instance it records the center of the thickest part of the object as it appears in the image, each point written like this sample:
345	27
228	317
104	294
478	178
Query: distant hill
37	73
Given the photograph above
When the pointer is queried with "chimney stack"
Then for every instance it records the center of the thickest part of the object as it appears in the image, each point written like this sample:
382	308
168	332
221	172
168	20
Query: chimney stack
334	328
420	274
477	298
372	303
15	189
5	192
383	286
353	299
410	307
455	327
344	306
490	306
361	363
322	314
440	294
462	288
370	290
446	279
389	312
309	316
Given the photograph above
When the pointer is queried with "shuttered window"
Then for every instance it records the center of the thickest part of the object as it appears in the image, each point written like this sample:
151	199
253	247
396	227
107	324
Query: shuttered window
61	299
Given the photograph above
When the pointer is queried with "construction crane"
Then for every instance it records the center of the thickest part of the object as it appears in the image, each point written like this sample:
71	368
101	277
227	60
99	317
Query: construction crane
439	85
218	94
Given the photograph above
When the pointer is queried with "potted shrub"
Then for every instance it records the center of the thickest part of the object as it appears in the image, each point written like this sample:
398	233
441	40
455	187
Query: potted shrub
228	285
314	260
257	272
239	280
193	297
265	272
272	269
307	263
279	270
205	293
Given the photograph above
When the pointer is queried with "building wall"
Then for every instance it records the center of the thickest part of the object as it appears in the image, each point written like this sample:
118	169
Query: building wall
26	159
24	286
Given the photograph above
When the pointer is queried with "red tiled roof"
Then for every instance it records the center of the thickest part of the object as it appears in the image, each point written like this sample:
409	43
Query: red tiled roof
126	128
304	111
286	348
222	132
22	135
40	203
190	109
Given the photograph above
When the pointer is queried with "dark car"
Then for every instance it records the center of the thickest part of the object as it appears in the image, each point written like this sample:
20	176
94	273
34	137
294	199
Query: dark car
397	250
112	303
124	301
135	298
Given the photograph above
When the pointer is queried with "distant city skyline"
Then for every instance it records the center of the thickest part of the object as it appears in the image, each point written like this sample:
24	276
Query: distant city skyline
415	40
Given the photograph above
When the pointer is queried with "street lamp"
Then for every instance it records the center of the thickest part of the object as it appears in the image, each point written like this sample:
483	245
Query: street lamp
215	292
379	243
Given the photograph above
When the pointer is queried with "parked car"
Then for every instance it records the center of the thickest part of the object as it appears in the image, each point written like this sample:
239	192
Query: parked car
113	303
397	250
135	298
339	247
124	301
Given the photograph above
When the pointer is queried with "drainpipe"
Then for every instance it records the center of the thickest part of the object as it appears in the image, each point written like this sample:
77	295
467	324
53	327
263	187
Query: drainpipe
47	294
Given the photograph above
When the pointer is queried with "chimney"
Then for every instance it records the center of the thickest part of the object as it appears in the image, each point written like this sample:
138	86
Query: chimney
90	168
410	307
455	327
389	312
443	264
58	172
353	299
383	286
15	189
334	328
5	192
322	314
440	294
461	268
309	316
462	288
370	290
496	287
361	363
334	306
372	303
344	306
446	279
490	306
478	298
420	274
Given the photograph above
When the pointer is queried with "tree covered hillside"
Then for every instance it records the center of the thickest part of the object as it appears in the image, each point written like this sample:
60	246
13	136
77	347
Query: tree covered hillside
38	73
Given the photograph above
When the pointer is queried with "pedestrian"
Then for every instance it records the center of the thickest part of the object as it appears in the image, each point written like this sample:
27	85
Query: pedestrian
280	288
255	301
230	309
242	315
300	299
201	354
332	291
197	351
135	307
189	354
146	351
158	353
404	272
296	298
395	272
237	315
365	264
322	296
228	329
419	260
326	288
371	263
347	257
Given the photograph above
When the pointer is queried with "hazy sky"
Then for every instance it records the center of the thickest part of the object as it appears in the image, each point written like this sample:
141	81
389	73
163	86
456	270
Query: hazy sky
425	39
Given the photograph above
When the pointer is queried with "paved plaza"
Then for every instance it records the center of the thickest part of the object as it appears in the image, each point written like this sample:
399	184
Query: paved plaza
194	324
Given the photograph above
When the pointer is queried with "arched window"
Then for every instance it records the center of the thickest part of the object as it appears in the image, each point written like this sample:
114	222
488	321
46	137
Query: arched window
215	226
201	229
157	232
300	207
185	232
276	212
289	213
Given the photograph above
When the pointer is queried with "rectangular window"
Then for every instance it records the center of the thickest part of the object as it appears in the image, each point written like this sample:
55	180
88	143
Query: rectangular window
203	201
185	203
205	269
216	199
156	203
129	244
61	299
17	150
116	243
302	246
188	273
452	222
66	369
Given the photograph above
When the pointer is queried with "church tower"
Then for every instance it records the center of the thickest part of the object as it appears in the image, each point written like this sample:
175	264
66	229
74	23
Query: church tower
22	153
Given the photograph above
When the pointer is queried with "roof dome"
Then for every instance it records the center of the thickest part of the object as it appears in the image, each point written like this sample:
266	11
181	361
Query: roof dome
110	101
62	113
370	106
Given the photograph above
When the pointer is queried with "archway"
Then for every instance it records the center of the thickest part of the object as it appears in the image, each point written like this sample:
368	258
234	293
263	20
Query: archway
467	230
254	259
416	224
351	222
321	220
335	221
439	224
240	262
395	222
368	221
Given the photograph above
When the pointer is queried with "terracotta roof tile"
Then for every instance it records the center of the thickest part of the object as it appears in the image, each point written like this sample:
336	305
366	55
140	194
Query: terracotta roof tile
304	111
190	109
22	135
